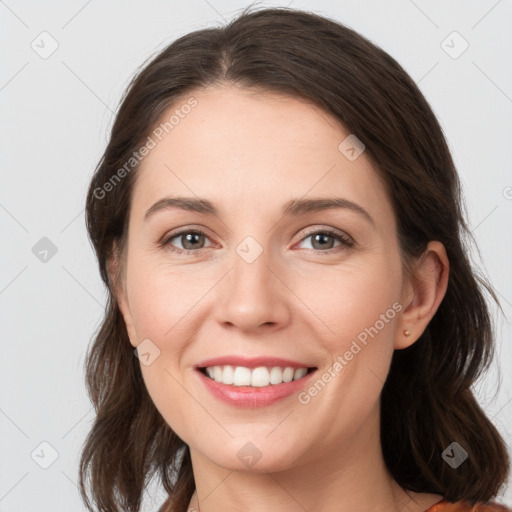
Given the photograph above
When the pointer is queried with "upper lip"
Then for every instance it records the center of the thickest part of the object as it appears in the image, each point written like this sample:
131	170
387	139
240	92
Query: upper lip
252	362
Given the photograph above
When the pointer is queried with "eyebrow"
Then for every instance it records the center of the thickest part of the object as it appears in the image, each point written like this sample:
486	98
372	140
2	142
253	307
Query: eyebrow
293	207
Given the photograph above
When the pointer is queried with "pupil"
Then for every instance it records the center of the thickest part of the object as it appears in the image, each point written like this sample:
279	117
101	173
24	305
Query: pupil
322	237
190	237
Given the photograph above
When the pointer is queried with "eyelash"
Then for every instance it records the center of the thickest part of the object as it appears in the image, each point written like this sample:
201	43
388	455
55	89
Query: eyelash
346	242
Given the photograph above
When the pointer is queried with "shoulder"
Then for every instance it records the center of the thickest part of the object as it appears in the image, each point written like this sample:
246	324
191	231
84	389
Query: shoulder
491	507
467	506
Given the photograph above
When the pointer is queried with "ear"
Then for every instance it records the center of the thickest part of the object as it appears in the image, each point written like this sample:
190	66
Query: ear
117	279
422	293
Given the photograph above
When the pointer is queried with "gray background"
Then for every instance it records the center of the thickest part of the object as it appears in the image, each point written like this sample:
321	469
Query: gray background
56	114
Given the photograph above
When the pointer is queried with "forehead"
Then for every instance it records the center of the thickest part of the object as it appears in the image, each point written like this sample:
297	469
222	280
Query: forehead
253	148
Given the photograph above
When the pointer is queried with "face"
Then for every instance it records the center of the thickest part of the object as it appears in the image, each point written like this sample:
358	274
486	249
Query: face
255	285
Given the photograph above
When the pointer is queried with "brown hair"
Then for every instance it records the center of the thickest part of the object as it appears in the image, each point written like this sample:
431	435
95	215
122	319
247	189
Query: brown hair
426	402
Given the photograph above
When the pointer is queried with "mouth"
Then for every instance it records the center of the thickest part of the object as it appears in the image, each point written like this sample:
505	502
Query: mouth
262	386
258	377
245	382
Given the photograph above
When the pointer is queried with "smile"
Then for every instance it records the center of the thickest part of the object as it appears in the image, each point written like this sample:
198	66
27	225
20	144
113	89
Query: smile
261	376
253	382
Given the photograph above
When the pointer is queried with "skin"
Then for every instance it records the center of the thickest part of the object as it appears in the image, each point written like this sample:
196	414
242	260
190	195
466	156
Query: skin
249	152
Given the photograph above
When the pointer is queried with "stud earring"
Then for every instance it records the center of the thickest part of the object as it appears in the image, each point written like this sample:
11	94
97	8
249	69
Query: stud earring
407	333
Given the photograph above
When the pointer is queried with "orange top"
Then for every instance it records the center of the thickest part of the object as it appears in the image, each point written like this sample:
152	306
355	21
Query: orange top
465	506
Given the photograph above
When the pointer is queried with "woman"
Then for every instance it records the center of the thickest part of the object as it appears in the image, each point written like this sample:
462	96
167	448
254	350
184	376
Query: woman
316	349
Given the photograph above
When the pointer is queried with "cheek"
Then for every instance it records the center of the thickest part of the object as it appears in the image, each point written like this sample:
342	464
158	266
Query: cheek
162	304
162	297
361	315
348	300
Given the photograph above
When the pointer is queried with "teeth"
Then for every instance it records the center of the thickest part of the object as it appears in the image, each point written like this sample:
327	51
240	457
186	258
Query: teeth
217	372
299	373
257	377
242	376
276	375
288	374
228	375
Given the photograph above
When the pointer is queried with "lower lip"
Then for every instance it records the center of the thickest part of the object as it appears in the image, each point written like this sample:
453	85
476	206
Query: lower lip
252	397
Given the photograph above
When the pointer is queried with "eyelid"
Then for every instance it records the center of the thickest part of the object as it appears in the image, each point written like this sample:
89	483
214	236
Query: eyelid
319	228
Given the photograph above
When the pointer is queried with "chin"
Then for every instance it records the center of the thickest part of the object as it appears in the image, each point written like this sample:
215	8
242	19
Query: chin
252	454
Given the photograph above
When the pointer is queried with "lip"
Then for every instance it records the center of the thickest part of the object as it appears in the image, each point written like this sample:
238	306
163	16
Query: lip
253	397
252	362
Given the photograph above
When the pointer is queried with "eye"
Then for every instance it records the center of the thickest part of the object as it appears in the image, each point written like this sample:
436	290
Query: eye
191	241
323	240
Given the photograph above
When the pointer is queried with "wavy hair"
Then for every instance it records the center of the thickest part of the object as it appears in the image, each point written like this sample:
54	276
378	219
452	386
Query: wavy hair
427	400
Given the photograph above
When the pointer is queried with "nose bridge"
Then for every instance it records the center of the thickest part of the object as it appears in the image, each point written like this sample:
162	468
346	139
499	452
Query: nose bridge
251	294
251	267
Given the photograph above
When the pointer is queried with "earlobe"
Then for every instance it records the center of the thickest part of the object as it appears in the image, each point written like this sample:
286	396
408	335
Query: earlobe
423	294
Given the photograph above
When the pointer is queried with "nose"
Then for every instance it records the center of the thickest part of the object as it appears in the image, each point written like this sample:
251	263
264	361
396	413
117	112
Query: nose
253	296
